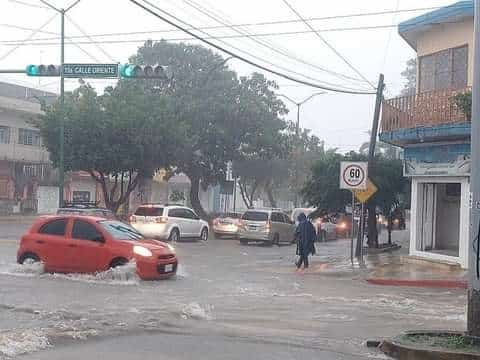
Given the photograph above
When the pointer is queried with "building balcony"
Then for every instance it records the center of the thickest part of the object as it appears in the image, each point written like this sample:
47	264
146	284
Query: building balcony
425	117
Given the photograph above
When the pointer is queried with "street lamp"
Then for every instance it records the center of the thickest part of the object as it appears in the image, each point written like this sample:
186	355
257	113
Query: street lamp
297	133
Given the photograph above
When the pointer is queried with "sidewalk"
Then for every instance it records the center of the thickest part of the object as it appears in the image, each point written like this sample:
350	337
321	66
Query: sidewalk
394	268
18	218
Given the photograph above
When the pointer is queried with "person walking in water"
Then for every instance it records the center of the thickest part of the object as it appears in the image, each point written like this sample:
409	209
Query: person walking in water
305	235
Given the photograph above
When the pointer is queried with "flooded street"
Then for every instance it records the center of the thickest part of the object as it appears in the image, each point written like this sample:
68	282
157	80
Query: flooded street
226	302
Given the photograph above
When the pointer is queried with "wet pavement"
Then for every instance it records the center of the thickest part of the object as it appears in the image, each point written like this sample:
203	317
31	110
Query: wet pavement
227	302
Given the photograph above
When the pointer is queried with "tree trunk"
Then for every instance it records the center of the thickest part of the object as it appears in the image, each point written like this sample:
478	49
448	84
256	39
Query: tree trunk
271	198
372	226
194	199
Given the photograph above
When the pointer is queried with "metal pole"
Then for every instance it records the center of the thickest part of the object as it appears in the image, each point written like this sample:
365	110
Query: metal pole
297	157
353	223
12	71
234	194
61	160
473	313
362	234
373	141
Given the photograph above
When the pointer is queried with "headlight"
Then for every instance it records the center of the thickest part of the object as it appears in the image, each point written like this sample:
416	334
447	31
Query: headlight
142	251
171	248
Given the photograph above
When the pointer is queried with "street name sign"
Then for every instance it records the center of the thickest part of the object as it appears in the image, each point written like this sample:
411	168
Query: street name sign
353	175
364	195
90	70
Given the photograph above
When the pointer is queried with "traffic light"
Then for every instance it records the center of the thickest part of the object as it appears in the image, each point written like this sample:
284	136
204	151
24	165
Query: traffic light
132	71
43	70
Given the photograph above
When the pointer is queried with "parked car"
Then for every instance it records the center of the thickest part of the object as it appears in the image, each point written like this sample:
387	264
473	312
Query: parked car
226	224
86	208
169	222
87	244
270	226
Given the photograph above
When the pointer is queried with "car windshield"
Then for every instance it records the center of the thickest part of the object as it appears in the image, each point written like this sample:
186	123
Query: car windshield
149	211
255	216
120	231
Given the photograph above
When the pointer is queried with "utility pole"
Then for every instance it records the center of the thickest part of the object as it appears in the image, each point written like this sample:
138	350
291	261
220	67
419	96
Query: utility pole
297	135
61	157
473	307
371	158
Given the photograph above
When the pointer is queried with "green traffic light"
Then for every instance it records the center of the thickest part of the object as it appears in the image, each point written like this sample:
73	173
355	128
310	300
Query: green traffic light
32	70
127	71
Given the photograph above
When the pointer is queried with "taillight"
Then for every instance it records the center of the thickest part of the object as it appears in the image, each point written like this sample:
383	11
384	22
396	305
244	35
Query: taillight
269	225
133	219
161	219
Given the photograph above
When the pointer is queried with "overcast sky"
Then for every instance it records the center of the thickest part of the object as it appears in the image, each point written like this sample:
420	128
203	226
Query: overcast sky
339	119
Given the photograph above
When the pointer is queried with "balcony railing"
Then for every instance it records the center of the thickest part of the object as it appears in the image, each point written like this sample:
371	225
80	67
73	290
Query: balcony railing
424	109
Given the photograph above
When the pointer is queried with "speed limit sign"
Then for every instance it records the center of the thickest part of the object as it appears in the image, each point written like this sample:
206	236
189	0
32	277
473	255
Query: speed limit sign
353	175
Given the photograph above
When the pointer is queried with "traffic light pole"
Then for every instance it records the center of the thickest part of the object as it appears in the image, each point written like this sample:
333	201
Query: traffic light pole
61	157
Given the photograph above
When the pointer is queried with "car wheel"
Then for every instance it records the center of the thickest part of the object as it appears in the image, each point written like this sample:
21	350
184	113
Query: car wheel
174	235
204	234
118	262
28	259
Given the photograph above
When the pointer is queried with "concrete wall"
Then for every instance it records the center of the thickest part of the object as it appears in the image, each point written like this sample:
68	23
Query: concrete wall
446	36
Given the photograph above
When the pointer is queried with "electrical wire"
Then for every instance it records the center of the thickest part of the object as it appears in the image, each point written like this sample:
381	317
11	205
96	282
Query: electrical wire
239	57
387	47
327	43
24	3
32	34
273	47
110	57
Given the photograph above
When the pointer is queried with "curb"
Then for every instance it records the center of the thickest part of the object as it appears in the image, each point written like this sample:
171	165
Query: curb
447	284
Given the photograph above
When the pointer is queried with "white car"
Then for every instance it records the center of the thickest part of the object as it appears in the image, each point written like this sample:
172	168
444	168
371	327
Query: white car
169	222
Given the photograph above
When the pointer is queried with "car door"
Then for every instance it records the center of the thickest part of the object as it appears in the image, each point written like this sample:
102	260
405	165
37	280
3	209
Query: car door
276	223
88	247
194	223
178	217
51	244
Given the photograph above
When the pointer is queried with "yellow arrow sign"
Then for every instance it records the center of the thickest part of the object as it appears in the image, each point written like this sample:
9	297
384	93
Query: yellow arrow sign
364	195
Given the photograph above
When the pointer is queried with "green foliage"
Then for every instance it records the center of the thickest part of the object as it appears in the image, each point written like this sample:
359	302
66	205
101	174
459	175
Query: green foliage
410	75
464	102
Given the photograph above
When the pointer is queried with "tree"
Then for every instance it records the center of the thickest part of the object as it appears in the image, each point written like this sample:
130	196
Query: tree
119	138
223	118
410	75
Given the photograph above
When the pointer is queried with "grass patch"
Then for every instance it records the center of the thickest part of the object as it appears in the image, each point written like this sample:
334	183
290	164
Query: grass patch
446	341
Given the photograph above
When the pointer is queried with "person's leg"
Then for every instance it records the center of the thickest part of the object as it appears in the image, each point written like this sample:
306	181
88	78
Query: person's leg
305	261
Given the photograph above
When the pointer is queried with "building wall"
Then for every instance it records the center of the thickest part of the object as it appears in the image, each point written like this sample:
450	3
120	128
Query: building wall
446	36
15	151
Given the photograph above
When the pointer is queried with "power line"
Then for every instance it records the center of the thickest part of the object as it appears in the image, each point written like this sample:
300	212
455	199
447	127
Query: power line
88	36
32	34
387	47
24	3
263	43
239	57
327	43
277	22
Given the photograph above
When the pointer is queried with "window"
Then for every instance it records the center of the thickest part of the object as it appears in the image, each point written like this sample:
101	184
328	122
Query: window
85	231
286	219
4	188
4	135
445	69
120	231
149	211
55	227
81	196
176	213
255	216
29	137
277	217
189	214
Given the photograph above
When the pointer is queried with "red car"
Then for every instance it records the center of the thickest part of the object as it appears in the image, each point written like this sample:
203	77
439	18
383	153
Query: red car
87	244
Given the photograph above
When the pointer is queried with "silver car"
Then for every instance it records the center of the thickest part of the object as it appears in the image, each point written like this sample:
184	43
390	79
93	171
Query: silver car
169	222
270	226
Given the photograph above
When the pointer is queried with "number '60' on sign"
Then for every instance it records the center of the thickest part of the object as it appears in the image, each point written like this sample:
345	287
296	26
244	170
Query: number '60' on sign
353	175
